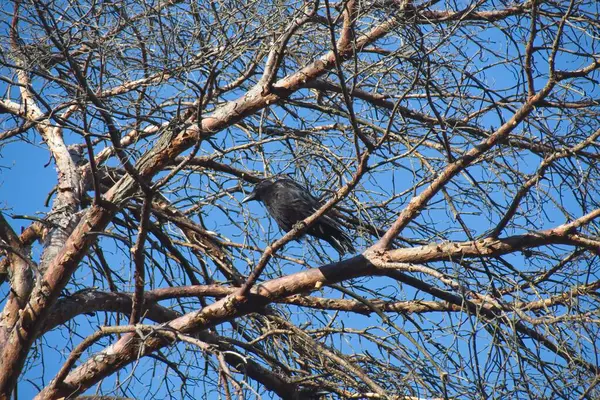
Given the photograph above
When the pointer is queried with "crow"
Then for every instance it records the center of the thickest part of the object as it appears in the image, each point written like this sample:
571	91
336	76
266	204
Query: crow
288	203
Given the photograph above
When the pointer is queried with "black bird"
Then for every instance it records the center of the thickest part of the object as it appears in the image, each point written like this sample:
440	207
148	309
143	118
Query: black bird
288	203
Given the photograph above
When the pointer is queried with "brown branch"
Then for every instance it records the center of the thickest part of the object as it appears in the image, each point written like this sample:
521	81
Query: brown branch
91	301
434	16
488	247
563	298
96	301
139	252
19	268
210	163
528	67
275	56
339	48
27	237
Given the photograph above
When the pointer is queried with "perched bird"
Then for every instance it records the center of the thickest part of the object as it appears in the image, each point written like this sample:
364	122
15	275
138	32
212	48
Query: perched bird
289	203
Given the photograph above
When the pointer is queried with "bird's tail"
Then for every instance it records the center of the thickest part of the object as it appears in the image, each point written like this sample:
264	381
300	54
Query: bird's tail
341	242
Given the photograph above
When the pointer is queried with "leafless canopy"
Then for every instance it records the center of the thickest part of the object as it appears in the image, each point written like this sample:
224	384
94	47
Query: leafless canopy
456	140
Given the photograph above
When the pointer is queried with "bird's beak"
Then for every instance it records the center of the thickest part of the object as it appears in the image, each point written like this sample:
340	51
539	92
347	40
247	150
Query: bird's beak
250	197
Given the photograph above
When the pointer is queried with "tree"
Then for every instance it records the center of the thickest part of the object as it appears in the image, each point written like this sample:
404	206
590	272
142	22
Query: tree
456	141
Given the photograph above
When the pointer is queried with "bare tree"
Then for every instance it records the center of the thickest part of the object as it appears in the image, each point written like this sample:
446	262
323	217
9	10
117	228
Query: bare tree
456	141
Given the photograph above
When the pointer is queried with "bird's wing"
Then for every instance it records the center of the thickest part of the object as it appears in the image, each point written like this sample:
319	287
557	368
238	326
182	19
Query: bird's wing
288	203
